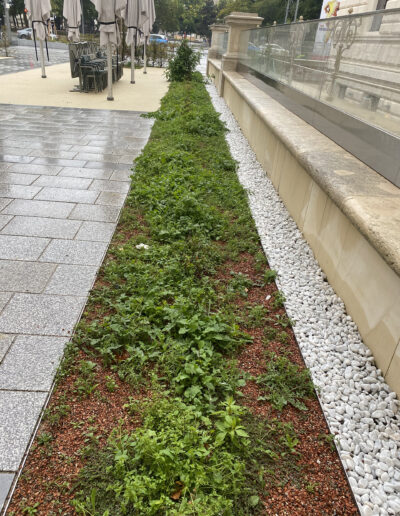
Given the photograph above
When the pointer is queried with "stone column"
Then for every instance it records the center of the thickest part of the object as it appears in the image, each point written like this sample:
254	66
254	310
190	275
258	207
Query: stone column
217	34
238	22
237	45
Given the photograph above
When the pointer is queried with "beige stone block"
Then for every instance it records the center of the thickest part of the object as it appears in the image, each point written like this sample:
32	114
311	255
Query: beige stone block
313	213
270	146
279	157
392	376
294	188
332	234
371	291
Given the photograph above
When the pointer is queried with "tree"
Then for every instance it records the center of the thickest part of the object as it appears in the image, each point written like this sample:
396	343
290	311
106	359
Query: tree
270	10
167	16
207	15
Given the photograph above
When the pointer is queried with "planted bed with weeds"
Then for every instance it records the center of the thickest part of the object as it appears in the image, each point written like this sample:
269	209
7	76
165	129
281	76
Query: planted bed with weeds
183	391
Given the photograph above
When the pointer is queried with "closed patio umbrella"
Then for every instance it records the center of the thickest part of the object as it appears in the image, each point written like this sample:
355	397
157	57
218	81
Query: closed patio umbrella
39	14
134	19
72	13
108	12
148	22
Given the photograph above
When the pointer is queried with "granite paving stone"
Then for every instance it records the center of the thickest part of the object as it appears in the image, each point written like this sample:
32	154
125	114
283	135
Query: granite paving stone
105	165
96	231
109	186
5	343
33	208
17	179
34	169
72	280
59	162
63	181
76	183
18	191
67	195
21	247
19	412
6	480
122	175
4	299
91	173
24	276
41	227
76	252
128	158
31	363
4	203
4	166
111	199
13	158
48	153
95	213
39	314
4	219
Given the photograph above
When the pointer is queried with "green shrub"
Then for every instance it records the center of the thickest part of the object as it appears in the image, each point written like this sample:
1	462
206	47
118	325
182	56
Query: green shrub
182	66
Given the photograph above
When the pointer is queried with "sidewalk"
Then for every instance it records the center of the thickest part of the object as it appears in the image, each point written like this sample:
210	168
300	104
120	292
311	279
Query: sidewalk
64	176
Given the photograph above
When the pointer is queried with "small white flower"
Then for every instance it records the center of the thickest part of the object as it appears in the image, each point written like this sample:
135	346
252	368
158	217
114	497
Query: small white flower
142	246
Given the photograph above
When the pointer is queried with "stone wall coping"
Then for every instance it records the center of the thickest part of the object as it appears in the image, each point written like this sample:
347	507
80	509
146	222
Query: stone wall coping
371	202
249	19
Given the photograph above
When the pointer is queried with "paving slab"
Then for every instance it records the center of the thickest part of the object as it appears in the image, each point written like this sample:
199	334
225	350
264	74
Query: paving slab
72	280
17	179
121	175
5	344
30	277
4	299
53	237
74	252
6	480
4	220
34	208
67	195
31	363
63	182
100	185
111	199
38	314
96	231
96	213
21	247
91	173
19	412
41	227
4	202
18	191
22	168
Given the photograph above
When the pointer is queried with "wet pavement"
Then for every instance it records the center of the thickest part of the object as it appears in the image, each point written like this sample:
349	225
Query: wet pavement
64	176
23	58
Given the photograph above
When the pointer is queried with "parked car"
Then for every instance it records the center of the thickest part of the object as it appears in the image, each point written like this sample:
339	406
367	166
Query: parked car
274	49
158	38
25	33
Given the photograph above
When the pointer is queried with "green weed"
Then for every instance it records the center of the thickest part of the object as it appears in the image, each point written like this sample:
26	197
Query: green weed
285	383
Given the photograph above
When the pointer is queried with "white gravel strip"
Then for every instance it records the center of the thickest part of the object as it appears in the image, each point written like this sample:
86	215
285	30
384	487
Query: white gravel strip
359	406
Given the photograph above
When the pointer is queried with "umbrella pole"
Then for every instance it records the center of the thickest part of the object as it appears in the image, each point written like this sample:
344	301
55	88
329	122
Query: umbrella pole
109	70
42	59
145	55
133	63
